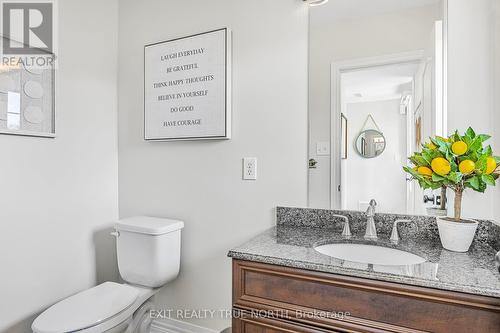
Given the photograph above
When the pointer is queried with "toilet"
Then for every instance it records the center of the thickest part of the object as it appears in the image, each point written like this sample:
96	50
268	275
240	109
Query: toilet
148	252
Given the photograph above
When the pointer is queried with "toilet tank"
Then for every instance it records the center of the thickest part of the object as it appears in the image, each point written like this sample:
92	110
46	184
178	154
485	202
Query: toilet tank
148	250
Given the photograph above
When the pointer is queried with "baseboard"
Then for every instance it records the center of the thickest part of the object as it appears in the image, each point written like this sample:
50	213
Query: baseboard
177	326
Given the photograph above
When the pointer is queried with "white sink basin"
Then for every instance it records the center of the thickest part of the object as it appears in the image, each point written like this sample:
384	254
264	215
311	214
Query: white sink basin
370	254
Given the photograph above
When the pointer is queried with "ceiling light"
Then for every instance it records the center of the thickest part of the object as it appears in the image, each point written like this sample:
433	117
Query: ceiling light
316	2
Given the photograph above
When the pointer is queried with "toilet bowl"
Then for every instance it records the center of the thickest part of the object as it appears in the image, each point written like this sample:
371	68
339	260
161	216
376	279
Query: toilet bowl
148	252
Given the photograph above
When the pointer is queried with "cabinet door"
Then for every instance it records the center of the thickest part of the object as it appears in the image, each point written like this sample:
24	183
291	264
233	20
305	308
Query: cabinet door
266	325
369	306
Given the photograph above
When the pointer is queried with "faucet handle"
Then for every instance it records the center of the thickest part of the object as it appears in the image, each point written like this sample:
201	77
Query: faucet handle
346	231
370	211
394	233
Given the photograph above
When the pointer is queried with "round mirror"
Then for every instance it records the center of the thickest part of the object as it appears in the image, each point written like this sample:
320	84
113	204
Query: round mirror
370	143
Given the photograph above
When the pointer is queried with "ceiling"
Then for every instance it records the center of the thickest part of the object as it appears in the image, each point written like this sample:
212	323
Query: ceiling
353	9
378	83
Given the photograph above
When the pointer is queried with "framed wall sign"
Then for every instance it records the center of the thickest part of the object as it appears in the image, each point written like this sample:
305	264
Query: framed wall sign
187	93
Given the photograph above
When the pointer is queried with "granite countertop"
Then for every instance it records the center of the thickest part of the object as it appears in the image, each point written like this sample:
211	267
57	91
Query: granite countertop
472	272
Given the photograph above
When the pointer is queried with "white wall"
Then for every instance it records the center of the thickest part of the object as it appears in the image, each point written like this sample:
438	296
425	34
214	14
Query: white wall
381	178
58	195
200	181
393	32
471	90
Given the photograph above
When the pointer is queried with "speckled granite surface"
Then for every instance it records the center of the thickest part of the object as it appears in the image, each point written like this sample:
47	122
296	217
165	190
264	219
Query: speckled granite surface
298	231
425	228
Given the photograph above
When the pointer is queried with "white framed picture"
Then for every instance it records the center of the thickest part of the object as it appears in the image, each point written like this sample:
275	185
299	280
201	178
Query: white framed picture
187	88
27	96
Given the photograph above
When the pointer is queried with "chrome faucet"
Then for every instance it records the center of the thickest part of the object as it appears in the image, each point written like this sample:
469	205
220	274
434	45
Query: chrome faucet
371	229
346	231
394	233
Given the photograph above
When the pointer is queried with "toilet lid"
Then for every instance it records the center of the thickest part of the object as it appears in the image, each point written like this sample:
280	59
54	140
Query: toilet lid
86	309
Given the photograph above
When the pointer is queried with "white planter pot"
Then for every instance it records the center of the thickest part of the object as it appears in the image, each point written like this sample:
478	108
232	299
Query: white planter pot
456	236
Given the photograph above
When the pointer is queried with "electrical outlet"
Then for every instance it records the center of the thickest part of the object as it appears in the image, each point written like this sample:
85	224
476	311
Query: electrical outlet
250	168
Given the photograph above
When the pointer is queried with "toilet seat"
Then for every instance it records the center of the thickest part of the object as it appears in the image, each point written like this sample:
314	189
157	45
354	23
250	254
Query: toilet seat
86	309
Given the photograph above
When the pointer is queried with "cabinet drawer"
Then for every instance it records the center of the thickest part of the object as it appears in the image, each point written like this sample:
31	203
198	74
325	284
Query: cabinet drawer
249	324
372	306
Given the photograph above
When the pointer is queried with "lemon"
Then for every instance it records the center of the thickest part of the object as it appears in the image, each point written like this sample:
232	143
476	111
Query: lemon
424	171
491	165
440	166
459	148
466	166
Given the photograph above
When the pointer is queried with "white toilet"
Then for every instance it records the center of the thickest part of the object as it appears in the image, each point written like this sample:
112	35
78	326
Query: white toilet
148	251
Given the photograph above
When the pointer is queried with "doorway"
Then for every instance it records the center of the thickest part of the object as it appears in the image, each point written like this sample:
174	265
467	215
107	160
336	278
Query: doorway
377	110
390	95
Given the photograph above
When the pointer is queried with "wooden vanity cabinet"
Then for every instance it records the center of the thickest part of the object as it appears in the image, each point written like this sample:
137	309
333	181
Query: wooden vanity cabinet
274	299
266	325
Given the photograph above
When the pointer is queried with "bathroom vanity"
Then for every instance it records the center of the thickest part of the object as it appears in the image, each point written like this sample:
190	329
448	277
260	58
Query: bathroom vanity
282	283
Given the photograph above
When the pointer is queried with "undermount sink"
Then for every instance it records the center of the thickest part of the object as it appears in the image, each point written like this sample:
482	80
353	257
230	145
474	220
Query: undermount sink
370	254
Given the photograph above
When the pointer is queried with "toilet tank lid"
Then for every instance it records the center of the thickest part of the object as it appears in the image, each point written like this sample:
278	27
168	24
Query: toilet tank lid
148	225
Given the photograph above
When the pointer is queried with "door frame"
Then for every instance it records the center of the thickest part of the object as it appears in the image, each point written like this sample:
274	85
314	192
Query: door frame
337	68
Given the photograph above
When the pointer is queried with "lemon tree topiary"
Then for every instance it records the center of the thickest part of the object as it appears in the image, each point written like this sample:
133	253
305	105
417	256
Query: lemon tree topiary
457	162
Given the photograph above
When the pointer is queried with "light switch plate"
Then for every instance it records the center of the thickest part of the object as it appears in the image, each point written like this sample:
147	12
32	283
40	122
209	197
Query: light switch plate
322	148
250	168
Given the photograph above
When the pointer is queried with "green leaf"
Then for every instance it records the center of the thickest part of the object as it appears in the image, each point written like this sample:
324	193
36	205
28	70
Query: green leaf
412	172
476	183
437	178
488	179
454	166
434	141
470	133
488	151
484	137
482	186
455	137
449	155
467	140
444	150
476	144
473	183
409	170
455	177
420	161
481	163
435	186
497	159
430	184
440	143
473	156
